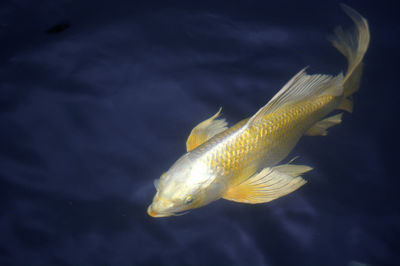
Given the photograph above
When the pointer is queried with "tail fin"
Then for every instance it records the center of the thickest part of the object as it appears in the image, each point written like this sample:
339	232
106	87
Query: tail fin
352	44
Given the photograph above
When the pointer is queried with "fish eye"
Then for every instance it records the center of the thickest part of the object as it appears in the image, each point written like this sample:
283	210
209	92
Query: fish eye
189	199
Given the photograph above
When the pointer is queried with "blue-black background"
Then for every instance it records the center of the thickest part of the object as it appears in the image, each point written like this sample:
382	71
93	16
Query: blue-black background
97	99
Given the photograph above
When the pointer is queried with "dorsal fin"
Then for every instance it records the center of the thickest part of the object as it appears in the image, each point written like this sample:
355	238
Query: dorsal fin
205	130
301	87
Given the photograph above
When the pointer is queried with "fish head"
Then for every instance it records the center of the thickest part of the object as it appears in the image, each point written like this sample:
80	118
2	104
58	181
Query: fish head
185	186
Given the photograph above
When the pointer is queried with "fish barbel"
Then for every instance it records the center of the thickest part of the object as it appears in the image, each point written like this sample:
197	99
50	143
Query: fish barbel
241	163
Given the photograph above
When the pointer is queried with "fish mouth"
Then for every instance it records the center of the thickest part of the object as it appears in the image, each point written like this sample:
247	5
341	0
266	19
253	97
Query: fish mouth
155	214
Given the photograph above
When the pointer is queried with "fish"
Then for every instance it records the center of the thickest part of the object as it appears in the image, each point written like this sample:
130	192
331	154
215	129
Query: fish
242	163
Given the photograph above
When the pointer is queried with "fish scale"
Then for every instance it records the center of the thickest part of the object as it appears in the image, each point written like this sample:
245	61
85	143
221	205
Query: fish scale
229	153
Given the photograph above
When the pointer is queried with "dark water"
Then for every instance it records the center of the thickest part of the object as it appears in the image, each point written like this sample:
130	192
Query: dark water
97	99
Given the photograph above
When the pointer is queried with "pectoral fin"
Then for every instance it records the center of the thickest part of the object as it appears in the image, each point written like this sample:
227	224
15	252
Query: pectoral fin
205	130
156	183
269	184
319	129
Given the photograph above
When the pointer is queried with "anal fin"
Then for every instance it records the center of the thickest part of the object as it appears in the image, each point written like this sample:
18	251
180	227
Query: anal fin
269	184
319	128
346	104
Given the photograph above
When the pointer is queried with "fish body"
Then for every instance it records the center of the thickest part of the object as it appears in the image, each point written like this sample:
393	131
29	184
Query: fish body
240	163
242	150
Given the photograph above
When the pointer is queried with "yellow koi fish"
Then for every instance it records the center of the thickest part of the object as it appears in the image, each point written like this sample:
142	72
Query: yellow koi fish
241	163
